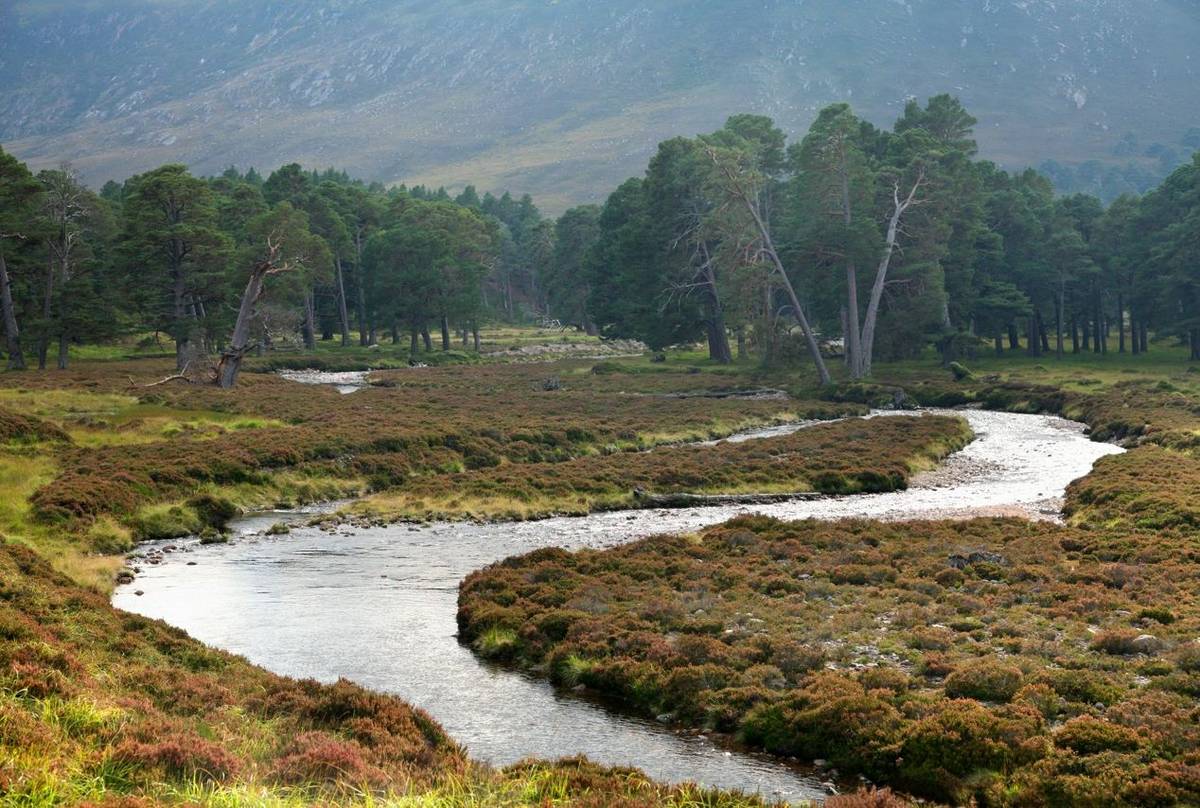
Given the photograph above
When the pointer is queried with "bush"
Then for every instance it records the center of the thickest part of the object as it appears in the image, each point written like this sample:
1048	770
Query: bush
184	757
985	681
1090	736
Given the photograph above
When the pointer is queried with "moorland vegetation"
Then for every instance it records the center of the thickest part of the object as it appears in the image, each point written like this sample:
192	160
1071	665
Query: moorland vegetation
1053	666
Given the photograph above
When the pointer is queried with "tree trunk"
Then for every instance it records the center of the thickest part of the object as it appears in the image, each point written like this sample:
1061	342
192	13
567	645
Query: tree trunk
475	335
366	334
343	311
1014	340
999	344
445	334
427	339
741	342
1059	316
1121	321
43	343
768	245
1074	335
12	334
179	309
230	363
1033	343
867	343
413	336
1144	336
64	351
309	330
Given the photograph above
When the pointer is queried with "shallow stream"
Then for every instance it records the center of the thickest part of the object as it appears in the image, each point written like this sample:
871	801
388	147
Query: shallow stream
377	605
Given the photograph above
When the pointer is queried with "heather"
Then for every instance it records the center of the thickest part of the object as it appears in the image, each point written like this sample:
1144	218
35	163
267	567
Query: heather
847	457
1018	663
999	661
101	707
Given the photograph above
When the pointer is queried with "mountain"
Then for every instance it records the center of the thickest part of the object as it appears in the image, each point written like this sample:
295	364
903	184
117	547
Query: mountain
565	98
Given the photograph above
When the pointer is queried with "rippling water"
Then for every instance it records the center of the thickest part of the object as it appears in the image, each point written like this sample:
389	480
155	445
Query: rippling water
377	605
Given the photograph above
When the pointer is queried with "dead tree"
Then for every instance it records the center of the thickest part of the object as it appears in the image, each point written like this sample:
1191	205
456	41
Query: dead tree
900	207
239	343
745	191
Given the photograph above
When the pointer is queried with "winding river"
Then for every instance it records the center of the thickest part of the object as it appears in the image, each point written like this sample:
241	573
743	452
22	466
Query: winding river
377	605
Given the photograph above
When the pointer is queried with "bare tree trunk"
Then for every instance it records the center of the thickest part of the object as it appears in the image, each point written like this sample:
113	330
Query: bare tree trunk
427	339
343	312
752	204
63	351
475	334
1014	339
230	363
893	233
12	334
853	329
445	334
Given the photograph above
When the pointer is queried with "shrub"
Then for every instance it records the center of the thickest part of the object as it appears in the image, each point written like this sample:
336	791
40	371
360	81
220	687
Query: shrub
184	757
985	681
1090	736
316	757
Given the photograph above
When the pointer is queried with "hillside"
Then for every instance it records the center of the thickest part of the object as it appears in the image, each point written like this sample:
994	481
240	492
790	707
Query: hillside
564	98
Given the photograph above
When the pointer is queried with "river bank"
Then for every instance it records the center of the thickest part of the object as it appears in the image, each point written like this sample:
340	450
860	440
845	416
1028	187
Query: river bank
343	603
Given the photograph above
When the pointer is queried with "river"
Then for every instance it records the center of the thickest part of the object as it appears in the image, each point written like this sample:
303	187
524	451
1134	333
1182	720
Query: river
377	604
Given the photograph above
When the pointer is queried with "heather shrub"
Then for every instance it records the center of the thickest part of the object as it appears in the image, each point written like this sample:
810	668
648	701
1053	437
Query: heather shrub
984	680
319	758
182	757
1090	736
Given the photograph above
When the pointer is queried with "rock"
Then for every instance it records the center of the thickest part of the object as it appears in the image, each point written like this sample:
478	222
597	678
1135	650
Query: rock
821	763
124	577
829	788
1147	644
664	718
659	357
139	593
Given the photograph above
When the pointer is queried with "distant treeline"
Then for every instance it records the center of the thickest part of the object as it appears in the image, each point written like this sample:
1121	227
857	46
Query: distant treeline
884	241
874	243
169	254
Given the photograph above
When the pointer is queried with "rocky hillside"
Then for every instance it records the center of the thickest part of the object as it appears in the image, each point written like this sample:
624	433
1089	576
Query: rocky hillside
563	98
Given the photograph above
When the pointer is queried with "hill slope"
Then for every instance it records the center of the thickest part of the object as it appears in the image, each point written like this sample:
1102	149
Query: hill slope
564	98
